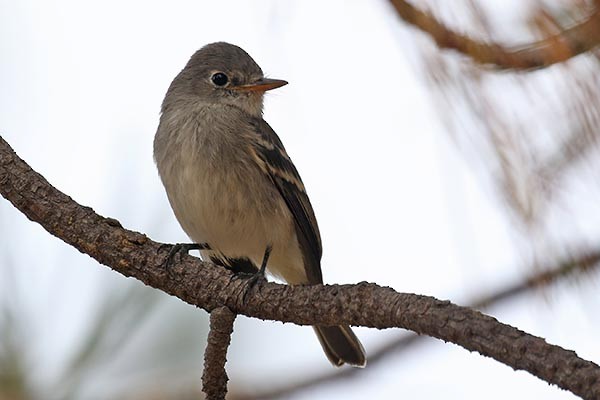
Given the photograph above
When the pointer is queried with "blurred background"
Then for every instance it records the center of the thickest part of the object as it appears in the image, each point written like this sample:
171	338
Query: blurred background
428	173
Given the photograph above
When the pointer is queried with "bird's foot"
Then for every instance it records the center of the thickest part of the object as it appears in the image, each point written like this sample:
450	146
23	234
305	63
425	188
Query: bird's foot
251	278
180	249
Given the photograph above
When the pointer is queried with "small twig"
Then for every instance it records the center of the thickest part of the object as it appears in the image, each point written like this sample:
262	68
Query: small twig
214	377
570	42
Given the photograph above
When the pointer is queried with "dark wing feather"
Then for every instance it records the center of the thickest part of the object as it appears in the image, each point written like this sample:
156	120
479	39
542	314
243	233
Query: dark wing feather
287	180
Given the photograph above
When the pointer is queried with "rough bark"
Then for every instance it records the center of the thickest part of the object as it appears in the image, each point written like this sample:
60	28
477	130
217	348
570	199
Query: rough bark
208	286
214	377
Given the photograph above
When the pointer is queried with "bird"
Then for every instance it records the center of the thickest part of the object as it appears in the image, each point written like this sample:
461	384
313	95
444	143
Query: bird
231	184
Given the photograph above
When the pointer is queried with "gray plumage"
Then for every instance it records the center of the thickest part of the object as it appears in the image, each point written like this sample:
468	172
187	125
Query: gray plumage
231	183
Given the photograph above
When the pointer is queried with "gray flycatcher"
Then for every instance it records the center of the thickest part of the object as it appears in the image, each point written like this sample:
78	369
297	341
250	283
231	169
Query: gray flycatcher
231	184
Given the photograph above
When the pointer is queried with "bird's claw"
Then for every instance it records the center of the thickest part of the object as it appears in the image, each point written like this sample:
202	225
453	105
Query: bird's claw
180	248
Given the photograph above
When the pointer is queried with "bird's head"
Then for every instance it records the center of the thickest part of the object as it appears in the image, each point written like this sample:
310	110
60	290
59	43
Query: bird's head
222	73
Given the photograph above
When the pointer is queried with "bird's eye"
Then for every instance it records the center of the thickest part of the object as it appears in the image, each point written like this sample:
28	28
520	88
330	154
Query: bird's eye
219	79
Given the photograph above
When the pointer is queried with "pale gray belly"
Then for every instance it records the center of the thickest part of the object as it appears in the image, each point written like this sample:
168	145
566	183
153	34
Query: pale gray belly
237	214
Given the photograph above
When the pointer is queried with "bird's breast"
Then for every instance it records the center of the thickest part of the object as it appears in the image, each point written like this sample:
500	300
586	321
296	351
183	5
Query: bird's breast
220	196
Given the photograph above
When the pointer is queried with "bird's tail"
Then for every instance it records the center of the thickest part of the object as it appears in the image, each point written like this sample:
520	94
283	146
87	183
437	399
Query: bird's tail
341	345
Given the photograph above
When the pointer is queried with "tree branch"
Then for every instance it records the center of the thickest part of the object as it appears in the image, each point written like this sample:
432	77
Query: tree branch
585	262
214	377
570	42
208	286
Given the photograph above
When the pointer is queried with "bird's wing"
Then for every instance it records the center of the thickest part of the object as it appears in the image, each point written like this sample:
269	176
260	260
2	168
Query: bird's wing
268	148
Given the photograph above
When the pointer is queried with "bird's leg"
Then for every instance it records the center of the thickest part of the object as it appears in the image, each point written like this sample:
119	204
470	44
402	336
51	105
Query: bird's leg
181	248
263	266
260	274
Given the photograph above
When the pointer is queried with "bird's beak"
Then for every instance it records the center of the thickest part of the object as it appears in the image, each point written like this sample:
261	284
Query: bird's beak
261	85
